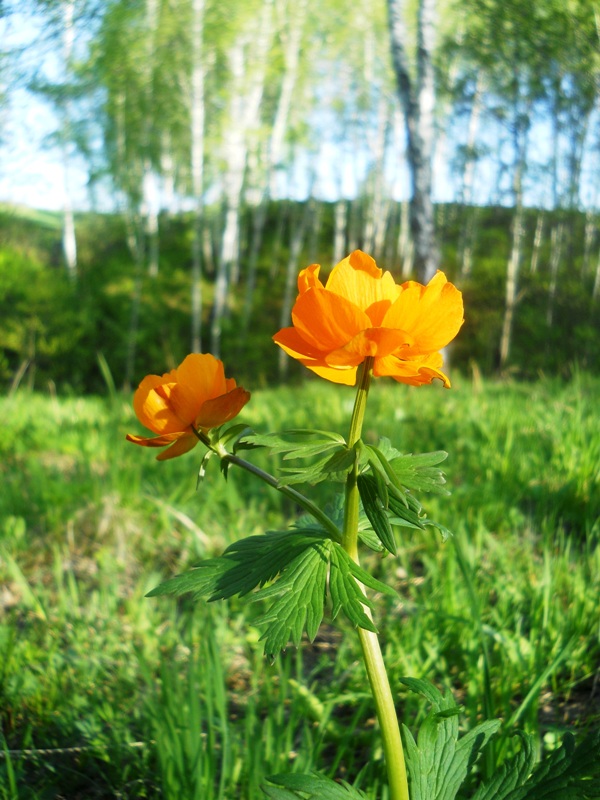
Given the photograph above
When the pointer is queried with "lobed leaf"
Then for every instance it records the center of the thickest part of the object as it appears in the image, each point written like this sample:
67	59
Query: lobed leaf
376	511
310	787
439	764
300	597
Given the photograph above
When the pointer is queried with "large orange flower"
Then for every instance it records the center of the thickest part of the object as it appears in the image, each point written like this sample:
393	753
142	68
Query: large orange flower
195	396
361	312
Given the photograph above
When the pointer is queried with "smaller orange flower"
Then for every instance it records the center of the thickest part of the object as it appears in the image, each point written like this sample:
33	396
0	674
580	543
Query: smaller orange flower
360	312
194	397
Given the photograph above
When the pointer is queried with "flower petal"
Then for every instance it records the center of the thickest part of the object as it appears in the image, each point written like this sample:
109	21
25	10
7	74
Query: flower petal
345	376
154	441
432	314
309	278
221	409
294	345
372	342
183	445
200	377
358	279
414	372
154	408
327	321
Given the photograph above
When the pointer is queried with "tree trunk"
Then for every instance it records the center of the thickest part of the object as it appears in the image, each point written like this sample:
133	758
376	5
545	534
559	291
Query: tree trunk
556	251
469	213
244	115
297	232
197	159
292	41
418	99
69	240
340	214
520	130
537	242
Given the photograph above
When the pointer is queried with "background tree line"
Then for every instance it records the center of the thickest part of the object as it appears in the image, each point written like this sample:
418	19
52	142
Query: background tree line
238	141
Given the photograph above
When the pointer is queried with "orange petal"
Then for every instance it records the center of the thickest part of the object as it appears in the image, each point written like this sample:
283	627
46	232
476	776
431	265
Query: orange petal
219	410
309	278
432	314
155	441
327	321
415	372
372	342
345	376
294	345
183	445
157	408
200	377
358	279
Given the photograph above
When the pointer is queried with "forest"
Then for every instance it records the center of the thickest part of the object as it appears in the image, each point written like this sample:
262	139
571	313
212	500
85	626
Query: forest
227	145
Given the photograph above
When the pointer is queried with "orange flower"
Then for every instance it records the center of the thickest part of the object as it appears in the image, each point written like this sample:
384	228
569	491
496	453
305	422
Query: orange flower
361	312
195	396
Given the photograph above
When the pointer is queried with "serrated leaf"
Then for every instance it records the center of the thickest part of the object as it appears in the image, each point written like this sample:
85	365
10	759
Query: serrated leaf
244	565
309	787
511	774
346	594
341	461
419	472
297	447
376	511
569	773
439	764
300	597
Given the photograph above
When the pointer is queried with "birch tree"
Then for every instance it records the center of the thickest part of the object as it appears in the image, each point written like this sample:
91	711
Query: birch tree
416	90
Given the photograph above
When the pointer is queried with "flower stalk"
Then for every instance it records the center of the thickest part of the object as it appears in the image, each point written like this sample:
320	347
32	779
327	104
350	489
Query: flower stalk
369	642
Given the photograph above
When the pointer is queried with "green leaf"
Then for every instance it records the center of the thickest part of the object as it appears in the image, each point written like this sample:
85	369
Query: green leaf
303	444
511	774
340	462
309	787
569	773
376	511
300	597
244	565
441	761
419	472
346	594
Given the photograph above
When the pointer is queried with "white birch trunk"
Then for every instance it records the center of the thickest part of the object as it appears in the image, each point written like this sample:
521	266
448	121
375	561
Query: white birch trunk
418	101
292	42
468	180
557	237
538	238
197	159
69	240
244	115
340	214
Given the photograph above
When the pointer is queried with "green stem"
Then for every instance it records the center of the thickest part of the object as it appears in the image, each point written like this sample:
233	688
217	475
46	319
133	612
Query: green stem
369	642
294	495
269	479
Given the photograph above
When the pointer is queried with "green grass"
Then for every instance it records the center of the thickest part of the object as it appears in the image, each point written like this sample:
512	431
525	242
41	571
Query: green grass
152	698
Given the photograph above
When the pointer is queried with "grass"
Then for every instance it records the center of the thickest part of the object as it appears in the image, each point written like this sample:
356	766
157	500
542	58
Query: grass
136	698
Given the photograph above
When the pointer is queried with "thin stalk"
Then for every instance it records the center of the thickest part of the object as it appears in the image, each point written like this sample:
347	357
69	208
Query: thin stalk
369	642
271	480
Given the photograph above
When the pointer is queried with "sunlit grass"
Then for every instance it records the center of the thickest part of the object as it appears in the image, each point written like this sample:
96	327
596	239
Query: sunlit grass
90	523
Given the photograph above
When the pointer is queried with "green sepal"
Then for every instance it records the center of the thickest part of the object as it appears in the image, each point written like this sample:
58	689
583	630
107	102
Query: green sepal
296	786
376	511
440	762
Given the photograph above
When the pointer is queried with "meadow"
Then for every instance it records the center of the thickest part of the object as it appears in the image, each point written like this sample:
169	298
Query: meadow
105	693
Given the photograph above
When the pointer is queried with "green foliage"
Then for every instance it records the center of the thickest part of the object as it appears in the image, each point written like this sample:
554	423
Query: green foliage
438	766
310	787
